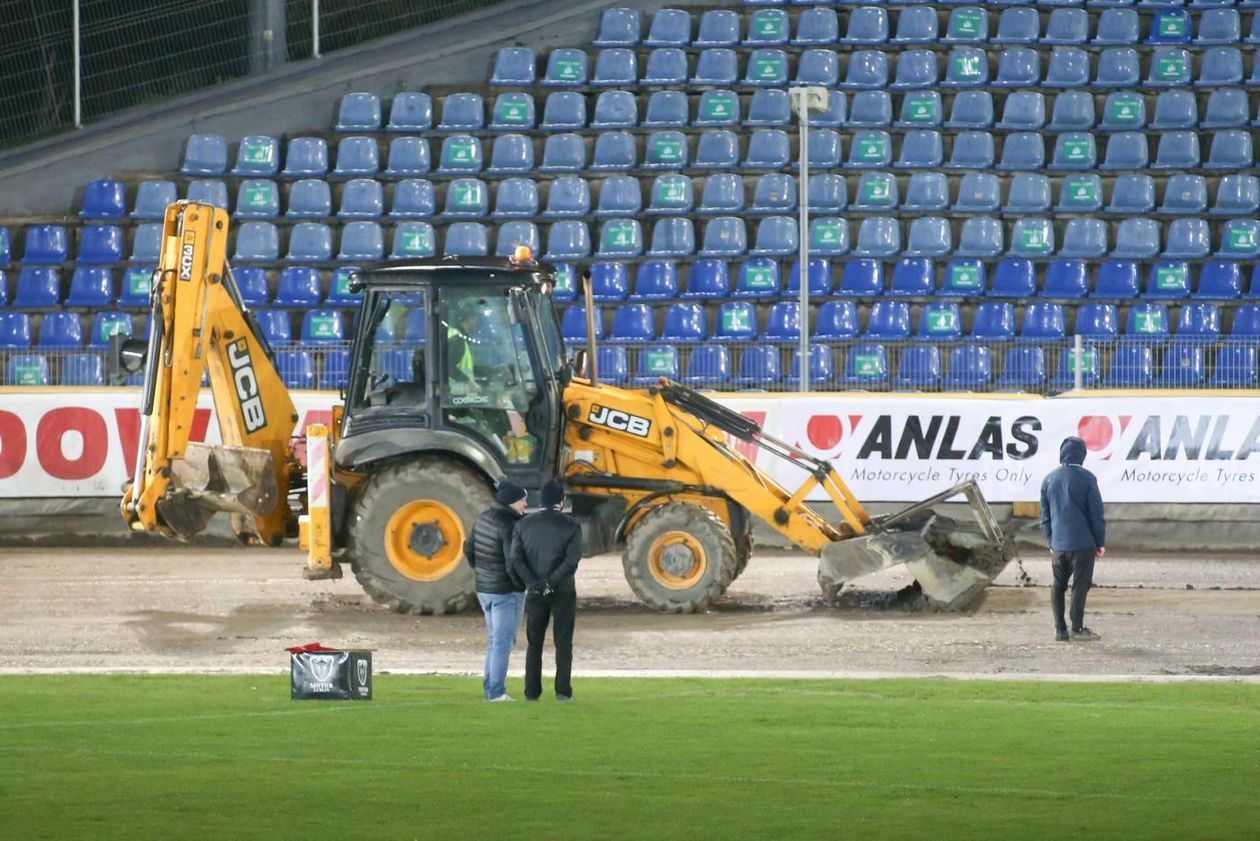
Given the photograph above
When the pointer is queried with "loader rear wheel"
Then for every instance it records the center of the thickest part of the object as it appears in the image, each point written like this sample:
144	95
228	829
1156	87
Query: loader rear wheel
406	535
679	558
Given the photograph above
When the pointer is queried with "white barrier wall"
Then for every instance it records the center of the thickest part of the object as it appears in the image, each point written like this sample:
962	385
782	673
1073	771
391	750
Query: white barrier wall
1158	448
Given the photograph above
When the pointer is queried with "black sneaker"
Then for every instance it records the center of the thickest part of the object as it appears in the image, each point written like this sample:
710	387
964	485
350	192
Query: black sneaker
1085	635
1061	636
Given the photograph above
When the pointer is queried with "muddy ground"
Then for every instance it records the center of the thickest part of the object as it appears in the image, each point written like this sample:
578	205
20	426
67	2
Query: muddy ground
218	610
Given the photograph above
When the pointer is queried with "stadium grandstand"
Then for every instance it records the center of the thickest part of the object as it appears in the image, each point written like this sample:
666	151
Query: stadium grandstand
1006	196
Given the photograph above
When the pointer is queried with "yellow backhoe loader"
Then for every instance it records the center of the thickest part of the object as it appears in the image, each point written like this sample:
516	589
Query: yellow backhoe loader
457	378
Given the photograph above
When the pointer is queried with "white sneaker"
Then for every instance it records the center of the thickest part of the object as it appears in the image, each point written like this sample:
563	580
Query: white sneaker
501	698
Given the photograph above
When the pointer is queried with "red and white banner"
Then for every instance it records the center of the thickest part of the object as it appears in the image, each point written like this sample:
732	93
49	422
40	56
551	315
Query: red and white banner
889	447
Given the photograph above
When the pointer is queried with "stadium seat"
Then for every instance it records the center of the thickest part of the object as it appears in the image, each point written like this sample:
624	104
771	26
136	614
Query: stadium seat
1132	195
1230	149
28	369
671	195
1174	110
1074	151
1042	322
91	287
768	107
1024	111
257	199
146	241
1226	108
719	108
929	236
922	149
724	236
926	192
1117	280
632	323
362	241
708	366
1028	193
823	149
362	198
411	111
966	67
1088	362
916	70
1067	27
1073	111
257	242
1067	279
565	288
512	112
876	191
152	199
1023	368
462	239
1221	67
821	372
655	362
359	112
870	109
513	67
310	198
656	280
1182	366
767	27
913	277
1198	322
1137	238
568	240
1236	195
774	193
564	111
767	68
817	27
517	198
819	279
707	279
137	281
565	68
275	326
735	321
46	245
963	278
82	369
888	320
1080	193
1022	150
1131	365
258	156
970	366
306	157
870	150
717	67
100	244
866	364
828	236
878	236
15	330
1069	67
38	288
335	372
619	27
106	323
867	70
921	109
615	109
251	281
1219	280
299	287
414	198
408	156
767	149
1086	239
512	235
940	321
917	25
1116	28
1235	367
1148	320
966	25
1015	279
1032	237
205	154
783	322
668	109
1188	239
919	368
669	28
104	198
1118	67
511	154
467	198
1018	26
610	282
861	279
461	155
1018	67
1239	240
1123	111
818	67
322	327
615	150
867	26
1169	68
971	110
836	321
716	149
309	242
339	294
981	237
620	238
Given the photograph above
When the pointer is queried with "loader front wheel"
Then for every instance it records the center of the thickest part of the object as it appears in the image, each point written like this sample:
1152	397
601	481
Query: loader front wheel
406	535
679	558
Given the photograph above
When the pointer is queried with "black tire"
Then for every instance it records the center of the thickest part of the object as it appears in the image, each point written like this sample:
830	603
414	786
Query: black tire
743	551
466	492
711	535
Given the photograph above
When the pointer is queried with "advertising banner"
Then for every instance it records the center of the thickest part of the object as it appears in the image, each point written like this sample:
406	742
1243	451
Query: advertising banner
888	447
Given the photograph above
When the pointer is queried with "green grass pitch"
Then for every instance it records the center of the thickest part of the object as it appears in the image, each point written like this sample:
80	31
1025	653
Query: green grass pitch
177	757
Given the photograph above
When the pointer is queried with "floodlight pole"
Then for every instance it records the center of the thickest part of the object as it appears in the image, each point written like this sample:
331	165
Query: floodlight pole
78	71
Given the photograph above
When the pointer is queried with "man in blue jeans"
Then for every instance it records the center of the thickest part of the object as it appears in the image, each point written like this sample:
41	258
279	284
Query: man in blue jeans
500	592
1072	519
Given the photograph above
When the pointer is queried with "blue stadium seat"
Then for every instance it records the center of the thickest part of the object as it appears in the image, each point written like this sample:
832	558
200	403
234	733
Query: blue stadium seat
768	107
1067	27
672	195
669	28
335	372
836	321
82	369
767	149
870	109
668	109
819	279
1131	365
512	112
1080	193
978	193
517	198
38	288
257	242
1123	111
322	327
1018	26
620	238
829	236
1069	67
146	242
735	321
1230	149
467	198
1116	28
1073	111
718	28
888	320
46	245
564	111
511	154
720	108
251	281
610	282
940	321
257	199
981	237
1188	239
774	193
1031	237
104	198
408	156
106	323
783	322
919	367
91	287
921	109
716	149
1027	193
15	330
836	113
1246	325
513	67
1222	67
966	25
205	154
137	281
565	288
1089	363
929	236
100	244
615	150
1239	240
767	27
1043	321
309	242
656	280
1198	322
461	155
30	369
867	26
1169	68
573	324
818	67
339	294
922	149
615	109
565	68
916	25
1023	368
1236	195
861	279
963	278
916	70
1132	195
359	112
766	68
362	198
1219	280
567	240
362	241
821	371
876	191
619	27
310	198
299	287
823	148
724	236
1235	367
1024	111
866	364
966	67
817	27
1018	67
655	362
1148	320
717	67
870	150
1117	280
926	192
414	198
306	157
258	156
1118	67
152	199
411	111
913	277
971	110
776	236
867	70
1175	109
1074	151
1016	279
1086	239
1226	108
1182	366
275	325
614	364
993	321
462	239
972	150
633	323
1137	238
707	279
708	366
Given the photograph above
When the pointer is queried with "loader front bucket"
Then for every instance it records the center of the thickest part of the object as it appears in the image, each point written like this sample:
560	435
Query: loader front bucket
240	480
951	561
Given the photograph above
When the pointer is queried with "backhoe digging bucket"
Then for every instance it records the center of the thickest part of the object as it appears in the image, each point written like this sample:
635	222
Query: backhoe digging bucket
210	478
951	561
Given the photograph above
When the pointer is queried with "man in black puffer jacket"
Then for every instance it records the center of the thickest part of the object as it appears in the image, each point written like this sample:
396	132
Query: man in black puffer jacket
498	589
545	552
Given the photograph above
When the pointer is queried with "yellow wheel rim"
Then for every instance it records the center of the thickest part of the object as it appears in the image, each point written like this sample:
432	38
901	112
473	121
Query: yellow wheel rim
677	560
424	540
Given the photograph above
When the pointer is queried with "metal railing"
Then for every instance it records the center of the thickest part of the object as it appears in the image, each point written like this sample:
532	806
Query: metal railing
65	64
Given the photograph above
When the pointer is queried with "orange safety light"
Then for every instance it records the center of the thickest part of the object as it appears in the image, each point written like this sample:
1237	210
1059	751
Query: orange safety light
522	254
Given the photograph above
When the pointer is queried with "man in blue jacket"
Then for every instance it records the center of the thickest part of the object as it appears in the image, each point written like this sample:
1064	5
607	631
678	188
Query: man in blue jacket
1072	519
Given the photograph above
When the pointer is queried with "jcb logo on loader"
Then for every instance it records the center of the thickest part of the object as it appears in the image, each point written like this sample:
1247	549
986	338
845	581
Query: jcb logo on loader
246	386
615	419
186	256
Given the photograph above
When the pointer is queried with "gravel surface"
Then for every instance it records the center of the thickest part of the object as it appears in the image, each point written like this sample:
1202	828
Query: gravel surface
189	609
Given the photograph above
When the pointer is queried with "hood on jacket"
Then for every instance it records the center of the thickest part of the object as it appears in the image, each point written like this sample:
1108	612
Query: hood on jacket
1072	451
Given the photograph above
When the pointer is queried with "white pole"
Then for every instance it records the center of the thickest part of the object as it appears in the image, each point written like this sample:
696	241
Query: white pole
315	28
1078	353
802	191
78	72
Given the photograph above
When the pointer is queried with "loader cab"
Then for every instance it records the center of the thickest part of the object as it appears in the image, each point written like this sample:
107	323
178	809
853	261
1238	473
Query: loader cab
463	357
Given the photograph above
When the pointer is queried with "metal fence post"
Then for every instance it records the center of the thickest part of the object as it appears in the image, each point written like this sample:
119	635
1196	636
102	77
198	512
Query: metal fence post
315	28
1078	354
78	70
802	191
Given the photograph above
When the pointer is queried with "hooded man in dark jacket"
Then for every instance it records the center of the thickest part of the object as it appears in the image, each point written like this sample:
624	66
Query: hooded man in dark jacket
498	589
1072	519
546	548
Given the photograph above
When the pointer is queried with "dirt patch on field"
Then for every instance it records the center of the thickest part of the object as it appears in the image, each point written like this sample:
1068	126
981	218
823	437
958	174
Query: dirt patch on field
225	609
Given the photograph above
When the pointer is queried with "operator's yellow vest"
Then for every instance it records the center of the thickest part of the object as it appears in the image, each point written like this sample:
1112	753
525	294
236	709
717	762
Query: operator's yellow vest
465	363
